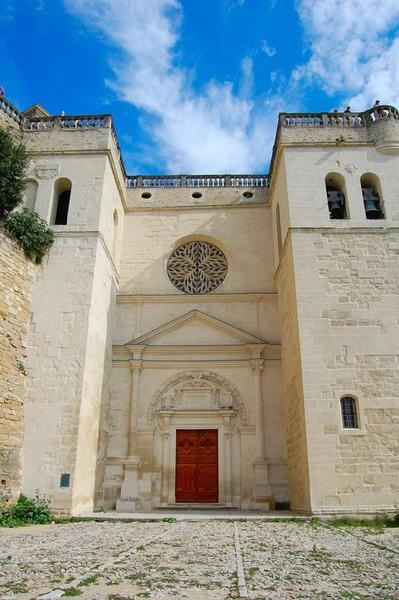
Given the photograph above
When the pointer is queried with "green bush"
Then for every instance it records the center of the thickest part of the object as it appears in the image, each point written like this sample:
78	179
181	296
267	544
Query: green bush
13	162
31	232
26	511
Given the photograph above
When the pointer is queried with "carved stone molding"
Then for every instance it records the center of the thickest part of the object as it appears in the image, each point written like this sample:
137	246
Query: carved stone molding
47	171
197	267
224	394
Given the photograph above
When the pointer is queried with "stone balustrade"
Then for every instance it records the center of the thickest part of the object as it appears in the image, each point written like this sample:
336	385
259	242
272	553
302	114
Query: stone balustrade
10	110
192	181
339	119
77	122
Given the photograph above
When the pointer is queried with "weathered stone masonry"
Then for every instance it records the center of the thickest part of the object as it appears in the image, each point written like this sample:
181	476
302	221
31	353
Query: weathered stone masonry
306	314
16	277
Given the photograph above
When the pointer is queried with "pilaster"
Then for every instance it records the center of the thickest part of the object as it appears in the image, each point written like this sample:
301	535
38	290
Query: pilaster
262	497
129	499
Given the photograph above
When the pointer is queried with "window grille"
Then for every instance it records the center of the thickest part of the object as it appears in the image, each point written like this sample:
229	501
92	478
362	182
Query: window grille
349	413
197	267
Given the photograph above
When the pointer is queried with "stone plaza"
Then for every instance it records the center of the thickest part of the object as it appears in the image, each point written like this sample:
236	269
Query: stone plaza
201	560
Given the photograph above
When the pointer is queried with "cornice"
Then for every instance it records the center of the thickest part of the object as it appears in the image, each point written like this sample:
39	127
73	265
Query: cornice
189	298
189	364
190	207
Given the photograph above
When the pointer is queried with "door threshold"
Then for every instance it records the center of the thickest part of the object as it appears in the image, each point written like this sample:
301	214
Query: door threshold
195	505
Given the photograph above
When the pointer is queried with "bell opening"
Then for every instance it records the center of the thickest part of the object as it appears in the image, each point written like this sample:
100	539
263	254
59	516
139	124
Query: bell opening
372	204
336	203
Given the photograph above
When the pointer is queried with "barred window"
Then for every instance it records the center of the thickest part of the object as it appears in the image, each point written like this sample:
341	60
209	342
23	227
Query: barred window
349	413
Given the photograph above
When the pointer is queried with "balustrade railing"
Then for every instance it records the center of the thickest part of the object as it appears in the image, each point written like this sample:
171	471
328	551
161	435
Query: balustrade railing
193	181
78	122
10	110
345	119
340	119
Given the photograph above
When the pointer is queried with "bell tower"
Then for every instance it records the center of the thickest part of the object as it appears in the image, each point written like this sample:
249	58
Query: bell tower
78	184
335	181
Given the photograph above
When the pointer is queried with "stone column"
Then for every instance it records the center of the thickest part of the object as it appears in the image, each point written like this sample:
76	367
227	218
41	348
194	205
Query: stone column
227	419
129	499
165	457
262	489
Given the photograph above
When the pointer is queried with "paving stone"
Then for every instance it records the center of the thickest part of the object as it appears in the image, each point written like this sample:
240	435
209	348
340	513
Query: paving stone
197	561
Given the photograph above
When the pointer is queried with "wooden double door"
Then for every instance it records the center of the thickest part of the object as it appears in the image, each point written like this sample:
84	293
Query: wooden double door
197	465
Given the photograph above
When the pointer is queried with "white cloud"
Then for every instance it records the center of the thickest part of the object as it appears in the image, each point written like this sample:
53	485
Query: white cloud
267	49
216	130
247	77
354	52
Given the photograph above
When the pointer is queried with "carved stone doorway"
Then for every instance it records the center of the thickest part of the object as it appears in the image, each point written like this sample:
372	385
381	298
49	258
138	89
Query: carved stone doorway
197	465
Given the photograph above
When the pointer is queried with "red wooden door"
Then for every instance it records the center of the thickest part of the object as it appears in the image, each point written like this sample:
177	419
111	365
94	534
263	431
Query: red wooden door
196	465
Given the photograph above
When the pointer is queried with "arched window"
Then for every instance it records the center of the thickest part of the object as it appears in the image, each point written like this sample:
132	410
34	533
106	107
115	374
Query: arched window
30	194
372	199
336	197
62	195
349	413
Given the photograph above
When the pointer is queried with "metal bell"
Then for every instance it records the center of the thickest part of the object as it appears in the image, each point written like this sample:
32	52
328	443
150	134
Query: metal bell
371	203
336	204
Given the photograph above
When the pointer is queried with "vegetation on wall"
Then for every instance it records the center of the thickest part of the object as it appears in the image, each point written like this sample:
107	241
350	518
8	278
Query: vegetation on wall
26	227
31	232
13	161
26	511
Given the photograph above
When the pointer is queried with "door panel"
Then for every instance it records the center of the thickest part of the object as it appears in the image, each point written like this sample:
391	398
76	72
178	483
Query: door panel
196	465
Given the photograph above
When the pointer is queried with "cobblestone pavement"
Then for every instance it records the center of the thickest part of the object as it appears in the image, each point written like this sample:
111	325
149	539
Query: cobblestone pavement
208	560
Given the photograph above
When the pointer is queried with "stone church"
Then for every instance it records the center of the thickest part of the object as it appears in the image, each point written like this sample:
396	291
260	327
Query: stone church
223	341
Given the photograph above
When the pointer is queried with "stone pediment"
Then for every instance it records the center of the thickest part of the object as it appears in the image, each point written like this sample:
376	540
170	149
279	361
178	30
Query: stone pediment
197	328
36	111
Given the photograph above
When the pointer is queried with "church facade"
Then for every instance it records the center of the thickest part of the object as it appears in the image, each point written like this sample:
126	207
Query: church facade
215	340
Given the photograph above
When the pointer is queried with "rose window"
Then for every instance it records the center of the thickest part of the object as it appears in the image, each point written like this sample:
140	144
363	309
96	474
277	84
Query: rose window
197	267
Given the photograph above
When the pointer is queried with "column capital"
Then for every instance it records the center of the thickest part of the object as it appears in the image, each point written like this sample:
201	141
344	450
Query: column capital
136	366
257	364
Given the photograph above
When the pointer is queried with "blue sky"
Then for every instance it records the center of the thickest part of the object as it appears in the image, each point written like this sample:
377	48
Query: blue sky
195	86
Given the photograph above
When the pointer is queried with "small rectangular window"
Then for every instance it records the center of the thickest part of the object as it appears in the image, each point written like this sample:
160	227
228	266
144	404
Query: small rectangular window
65	479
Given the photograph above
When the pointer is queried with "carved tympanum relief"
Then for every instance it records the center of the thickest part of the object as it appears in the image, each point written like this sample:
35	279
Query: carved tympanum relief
197	267
197	391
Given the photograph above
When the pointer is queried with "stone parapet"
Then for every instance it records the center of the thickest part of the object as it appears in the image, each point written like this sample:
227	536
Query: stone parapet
188	197
378	126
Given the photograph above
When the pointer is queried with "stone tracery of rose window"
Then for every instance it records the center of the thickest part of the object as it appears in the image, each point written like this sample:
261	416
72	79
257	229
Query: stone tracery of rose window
197	267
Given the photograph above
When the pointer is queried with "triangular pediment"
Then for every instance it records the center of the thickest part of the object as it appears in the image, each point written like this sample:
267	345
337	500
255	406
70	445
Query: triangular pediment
36	111
196	328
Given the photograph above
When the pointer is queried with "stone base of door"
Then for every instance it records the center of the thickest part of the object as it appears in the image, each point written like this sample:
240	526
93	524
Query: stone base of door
264	504
129	500
126	506
194	505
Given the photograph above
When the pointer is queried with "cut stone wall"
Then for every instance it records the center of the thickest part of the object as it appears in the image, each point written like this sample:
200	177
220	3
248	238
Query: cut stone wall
298	475
347	290
69	343
16	277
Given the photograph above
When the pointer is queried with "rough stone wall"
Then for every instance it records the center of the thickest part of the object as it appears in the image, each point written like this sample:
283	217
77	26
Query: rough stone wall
16	276
8	123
